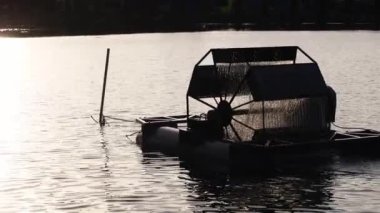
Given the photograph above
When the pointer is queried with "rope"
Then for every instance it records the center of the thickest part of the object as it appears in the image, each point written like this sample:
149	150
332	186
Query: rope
94	119
341	127
129	135
106	122
119	119
112	118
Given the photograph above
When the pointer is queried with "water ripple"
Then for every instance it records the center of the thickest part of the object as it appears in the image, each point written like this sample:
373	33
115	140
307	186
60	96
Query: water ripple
54	157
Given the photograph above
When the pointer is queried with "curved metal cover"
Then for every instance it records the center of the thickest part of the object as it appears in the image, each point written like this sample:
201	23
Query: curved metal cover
209	81
286	82
273	74
203	83
258	54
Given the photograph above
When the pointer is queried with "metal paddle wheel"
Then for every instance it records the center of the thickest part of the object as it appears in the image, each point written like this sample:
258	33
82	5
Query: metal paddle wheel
255	92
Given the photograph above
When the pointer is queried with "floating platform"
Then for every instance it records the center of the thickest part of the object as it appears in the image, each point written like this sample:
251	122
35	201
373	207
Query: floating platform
171	136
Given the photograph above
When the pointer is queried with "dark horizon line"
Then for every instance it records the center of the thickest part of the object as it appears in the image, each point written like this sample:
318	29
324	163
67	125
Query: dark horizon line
202	27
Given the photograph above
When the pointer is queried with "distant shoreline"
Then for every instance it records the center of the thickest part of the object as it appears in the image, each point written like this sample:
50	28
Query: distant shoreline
24	32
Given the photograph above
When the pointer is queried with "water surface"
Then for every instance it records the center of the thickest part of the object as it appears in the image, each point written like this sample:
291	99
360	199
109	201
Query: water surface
53	156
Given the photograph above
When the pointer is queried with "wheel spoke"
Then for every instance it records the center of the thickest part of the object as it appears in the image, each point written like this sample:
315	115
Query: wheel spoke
215	100
237	90
226	130
246	103
205	103
218	85
228	74
235	132
243	124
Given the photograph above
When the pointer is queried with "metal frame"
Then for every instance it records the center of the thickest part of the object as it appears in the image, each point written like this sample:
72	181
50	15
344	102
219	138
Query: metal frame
214	64
298	49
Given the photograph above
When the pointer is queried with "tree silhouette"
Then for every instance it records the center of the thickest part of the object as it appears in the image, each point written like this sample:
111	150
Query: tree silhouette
119	16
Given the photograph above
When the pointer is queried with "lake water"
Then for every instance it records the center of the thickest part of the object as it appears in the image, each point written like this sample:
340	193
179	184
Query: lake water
54	157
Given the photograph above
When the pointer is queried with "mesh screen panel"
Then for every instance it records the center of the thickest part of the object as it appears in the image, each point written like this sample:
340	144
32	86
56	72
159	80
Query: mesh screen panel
294	116
230	76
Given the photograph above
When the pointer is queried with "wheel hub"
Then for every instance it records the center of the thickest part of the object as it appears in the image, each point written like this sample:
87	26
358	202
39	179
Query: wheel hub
222	115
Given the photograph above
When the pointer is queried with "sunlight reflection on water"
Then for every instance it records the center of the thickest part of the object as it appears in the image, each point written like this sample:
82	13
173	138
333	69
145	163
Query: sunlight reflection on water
54	157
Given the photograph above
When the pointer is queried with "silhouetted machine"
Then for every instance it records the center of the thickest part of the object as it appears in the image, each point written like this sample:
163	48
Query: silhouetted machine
255	106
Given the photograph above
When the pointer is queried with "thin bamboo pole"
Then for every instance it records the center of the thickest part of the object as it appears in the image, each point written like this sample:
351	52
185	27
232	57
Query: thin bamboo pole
101	116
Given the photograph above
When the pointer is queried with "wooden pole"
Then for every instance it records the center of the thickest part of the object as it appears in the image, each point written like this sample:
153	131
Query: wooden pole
101	116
